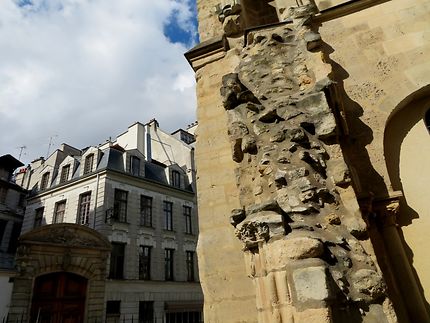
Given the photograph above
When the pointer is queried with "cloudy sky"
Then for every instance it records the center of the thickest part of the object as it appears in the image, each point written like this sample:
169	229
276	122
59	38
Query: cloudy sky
80	71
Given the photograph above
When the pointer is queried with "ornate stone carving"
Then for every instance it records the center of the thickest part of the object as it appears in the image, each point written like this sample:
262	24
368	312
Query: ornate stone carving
229	15
67	235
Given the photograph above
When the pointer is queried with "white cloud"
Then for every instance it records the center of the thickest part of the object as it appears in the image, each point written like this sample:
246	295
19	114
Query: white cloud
85	70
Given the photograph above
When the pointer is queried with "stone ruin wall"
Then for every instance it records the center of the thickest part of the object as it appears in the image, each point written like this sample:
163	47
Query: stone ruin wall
306	246
301	242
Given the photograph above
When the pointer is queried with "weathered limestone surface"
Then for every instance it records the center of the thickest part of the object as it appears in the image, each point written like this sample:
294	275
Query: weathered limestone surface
300	240
228	291
378	58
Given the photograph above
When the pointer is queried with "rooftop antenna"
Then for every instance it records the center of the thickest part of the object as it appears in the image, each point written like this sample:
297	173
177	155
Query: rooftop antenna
21	149
50	144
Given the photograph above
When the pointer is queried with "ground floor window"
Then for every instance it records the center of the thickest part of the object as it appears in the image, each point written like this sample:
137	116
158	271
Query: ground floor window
184	317
113	311
146	312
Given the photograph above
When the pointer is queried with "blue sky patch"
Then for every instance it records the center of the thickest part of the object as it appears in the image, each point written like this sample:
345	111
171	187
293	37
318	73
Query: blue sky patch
23	3
179	34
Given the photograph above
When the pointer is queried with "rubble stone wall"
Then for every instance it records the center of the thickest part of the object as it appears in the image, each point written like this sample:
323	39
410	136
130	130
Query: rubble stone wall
305	117
302	244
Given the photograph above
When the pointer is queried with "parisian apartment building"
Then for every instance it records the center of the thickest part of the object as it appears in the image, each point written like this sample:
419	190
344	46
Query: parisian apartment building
109	232
12	202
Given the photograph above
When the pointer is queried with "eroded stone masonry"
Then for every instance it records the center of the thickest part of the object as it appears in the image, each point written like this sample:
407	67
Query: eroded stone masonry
306	252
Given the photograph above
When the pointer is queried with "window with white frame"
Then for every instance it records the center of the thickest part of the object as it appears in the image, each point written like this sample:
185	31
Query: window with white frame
88	165
168	215
176	179
135	166
45	181
146	211
187	217
145	262
60	209
38	217
64	173
84	208
120	206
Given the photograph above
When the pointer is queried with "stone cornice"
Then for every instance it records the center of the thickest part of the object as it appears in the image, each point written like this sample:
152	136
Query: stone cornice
345	9
207	52
384	210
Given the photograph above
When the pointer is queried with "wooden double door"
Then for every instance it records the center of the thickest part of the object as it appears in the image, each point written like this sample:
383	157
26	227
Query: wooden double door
59	298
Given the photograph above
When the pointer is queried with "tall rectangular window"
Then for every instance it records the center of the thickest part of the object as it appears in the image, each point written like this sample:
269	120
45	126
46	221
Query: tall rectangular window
88	166
21	201
168	264
188	223
45	181
13	242
3	194
146	211
184	316
145	262
120	206
84	208
64	174
176	178
190	265
38	217
113	311
168	215
60	209
135	165
3	224
116	270
146	312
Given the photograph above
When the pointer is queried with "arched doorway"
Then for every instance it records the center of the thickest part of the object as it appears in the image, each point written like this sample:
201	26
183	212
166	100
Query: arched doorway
407	154
58	298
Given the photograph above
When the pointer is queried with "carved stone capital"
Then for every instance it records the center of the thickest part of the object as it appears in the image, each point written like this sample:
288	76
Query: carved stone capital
387	212
252	232
228	8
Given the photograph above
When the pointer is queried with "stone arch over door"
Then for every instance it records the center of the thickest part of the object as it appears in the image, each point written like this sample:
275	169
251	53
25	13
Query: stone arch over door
63	249
407	155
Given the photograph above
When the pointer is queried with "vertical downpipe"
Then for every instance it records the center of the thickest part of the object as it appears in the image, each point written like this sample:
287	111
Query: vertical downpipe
148	142
95	201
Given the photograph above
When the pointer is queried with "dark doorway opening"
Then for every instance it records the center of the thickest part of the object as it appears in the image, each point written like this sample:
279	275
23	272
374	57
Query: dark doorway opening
58	297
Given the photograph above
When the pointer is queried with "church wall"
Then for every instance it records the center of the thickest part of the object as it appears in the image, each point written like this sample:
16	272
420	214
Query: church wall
379	56
408	156
229	294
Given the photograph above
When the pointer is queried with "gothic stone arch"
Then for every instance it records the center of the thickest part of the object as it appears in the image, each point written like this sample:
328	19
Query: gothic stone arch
56	248
407	155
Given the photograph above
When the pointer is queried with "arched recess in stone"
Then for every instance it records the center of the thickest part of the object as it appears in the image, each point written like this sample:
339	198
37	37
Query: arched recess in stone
407	155
61	248
258	13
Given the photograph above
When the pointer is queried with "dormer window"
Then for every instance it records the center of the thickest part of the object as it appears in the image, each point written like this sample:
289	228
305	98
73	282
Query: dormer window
64	174
135	165
88	165
45	181
176	178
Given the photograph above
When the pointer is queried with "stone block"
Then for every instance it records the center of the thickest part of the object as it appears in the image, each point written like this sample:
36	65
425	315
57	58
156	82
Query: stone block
368	284
280	252
311	284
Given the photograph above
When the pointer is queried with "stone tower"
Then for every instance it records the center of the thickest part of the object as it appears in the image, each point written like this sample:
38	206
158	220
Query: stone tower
298	217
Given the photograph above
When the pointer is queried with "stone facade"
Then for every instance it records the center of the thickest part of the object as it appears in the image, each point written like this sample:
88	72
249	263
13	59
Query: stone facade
135	202
296	140
12	200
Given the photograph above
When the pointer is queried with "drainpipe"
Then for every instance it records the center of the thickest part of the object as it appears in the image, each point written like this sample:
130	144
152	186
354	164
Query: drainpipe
148	142
413	301
95	201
